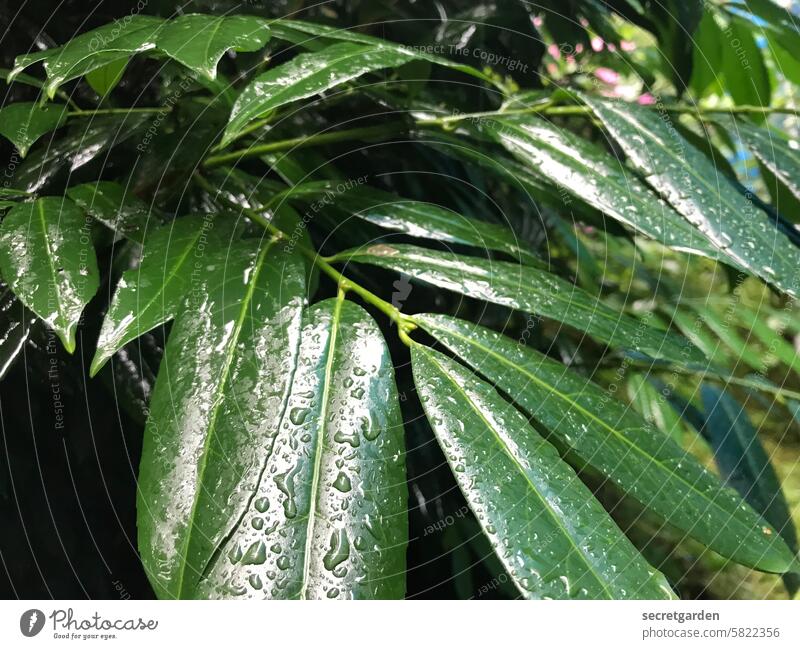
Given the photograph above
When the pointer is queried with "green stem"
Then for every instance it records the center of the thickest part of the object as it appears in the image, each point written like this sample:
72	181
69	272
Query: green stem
117	111
344	283
549	109
363	133
393	128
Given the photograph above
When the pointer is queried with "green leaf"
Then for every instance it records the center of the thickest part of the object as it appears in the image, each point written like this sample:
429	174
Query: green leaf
720	326
150	295
82	144
47	258
743	462
416	218
308	34
543	523
706	55
746	76
707	199
529	289
93	49
591	175
115	207
654	407
25	122
771	337
199	41
216	408
618	443
778	23
772	149
315	506
24	61
332	493
307	75
15	326
105	78
692	327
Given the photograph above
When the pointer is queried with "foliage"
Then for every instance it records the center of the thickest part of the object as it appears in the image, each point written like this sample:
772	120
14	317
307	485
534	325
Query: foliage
555	215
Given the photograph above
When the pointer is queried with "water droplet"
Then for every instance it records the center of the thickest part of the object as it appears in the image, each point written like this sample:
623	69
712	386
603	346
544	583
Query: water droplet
342	482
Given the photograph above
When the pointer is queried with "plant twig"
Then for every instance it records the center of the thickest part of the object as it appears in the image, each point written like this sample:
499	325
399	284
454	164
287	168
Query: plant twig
404	324
363	133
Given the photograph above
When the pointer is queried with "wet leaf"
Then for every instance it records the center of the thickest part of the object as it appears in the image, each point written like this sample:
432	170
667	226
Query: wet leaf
83	143
25	122
552	536
418	219
115	207
332	495
92	50
529	289
309	35
772	149
199	41
706	198
218	401
174	257
618	443
47	258
15	326
307	75
591	175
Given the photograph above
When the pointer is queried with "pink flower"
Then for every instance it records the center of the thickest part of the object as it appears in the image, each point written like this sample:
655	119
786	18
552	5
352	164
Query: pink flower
607	75
646	99
627	46
597	43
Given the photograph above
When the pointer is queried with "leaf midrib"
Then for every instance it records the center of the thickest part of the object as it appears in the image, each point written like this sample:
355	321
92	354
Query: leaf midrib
618	322
679	222
522	471
49	252
592	417
225	374
320	447
723	196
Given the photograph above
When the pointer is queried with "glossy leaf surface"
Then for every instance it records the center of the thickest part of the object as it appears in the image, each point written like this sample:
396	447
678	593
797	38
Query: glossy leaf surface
529	289
83	143
307	34
307	75
420	219
25	122
15	326
105	78
47	259
115	207
199	41
173	257
618	443
93	49
553	537
218	401
328	516
708	200
593	176
772	150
